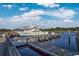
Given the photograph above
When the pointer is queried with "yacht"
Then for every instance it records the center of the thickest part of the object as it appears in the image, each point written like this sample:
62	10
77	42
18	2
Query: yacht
30	30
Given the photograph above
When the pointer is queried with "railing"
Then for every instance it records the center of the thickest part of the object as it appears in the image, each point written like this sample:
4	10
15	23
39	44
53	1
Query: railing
12	51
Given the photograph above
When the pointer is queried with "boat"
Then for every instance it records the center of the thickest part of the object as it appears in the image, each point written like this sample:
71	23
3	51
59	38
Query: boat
30	30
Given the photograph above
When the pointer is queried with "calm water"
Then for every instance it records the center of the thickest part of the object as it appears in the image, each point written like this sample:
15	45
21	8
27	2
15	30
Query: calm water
27	52
65	42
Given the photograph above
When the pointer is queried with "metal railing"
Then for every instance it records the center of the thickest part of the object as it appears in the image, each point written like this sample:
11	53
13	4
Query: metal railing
12	51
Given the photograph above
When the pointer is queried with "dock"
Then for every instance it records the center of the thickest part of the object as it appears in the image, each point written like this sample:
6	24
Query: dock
2	46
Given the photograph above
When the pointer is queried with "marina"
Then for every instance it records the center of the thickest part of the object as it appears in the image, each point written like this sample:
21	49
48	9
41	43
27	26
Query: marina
25	43
39	29
58	46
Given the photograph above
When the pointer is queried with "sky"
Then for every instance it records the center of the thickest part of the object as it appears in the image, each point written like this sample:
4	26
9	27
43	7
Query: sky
44	15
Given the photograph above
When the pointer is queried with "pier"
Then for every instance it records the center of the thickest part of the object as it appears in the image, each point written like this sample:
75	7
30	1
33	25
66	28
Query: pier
3	50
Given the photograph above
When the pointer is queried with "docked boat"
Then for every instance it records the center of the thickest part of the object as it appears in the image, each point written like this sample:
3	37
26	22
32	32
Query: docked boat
30	30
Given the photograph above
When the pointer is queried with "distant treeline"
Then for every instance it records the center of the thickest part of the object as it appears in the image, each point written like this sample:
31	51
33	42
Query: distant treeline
51	29
5	30
57	29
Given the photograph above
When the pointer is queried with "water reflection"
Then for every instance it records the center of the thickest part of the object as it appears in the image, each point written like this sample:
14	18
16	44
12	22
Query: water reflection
65	42
28	52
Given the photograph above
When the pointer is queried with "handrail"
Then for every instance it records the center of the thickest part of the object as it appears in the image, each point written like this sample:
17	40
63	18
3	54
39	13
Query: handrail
14	52
12	49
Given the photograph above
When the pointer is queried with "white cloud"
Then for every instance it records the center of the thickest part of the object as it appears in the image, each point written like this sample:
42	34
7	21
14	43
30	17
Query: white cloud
33	15
23	9
36	12
8	6
64	13
68	21
68	13
1	20
51	5
15	18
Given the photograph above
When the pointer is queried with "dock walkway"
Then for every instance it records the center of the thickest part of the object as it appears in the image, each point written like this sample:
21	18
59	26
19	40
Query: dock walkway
2	49
2	46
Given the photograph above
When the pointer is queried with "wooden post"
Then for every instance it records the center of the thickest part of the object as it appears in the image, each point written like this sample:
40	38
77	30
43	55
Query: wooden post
27	40
69	38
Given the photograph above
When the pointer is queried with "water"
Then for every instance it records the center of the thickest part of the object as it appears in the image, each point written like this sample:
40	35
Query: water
27	52
65	43
24	50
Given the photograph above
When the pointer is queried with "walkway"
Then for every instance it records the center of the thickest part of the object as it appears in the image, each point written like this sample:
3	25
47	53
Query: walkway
2	46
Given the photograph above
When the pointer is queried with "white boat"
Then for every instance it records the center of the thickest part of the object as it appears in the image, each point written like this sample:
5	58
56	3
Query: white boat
31	30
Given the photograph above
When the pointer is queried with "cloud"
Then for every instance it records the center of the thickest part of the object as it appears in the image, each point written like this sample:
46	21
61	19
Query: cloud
4	23
36	12
23	9
68	20
64	16
8	6
1	20
64	13
51	5
68	13
33	15
32	18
